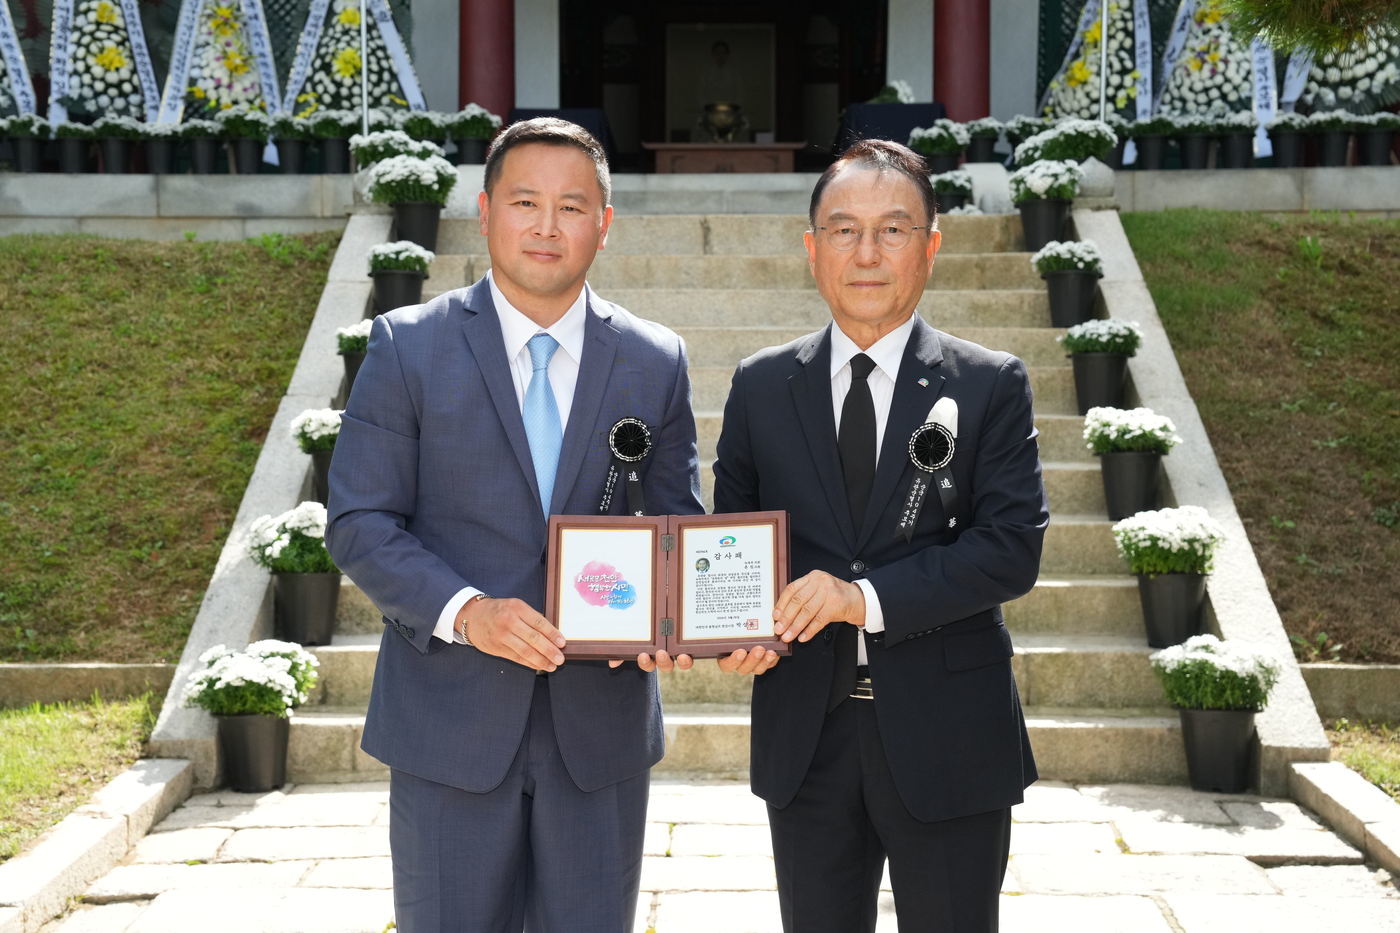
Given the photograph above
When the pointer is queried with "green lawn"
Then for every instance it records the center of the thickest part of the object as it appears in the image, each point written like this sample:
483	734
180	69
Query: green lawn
1371	749
1288	331
54	757
140	383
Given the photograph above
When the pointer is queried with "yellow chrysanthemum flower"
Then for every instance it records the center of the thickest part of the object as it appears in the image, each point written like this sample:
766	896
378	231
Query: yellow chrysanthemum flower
106	13
1078	73
1094	33
347	63
398	100
349	17
197	93
223	20
110	58
1194	64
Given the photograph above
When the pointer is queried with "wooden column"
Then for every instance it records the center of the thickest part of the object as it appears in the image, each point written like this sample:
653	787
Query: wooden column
962	32
486	56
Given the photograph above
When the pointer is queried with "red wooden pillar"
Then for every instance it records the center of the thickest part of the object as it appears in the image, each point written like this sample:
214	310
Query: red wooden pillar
962	37
486	54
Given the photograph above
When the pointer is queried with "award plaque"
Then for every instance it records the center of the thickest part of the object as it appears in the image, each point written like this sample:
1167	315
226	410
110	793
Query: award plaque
702	585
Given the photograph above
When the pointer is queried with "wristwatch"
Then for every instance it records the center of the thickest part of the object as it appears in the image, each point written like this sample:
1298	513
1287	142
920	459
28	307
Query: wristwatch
462	629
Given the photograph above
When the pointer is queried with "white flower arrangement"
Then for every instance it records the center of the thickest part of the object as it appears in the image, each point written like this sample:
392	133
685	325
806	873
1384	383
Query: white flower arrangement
1288	122
1363	78
402	179
1204	672
984	127
404	255
26	126
355	338
293	542
223	72
268	677
163	130
200	129
954	182
334	79
101	65
1241	121
902	91
1214	67
1103	336
1074	92
118	127
473	122
965	210
1330	120
1073	140
1383	120
1022	126
242	121
316	429
1161	541
944	137
1049	179
1068	256
373	147
1117	430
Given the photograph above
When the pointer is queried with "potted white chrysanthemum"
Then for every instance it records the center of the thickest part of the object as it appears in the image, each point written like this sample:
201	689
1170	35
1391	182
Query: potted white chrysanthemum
1042	192
1070	141
369	148
983	134
1286	136
293	134
351	343
398	270
1217	687
248	128
26	133
1332	129
306	581
251	693
1170	551
74	140
472	129
417	189
954	189
424	125
332	130
1071	270
941	144
1151	136
114	135
161	142
204	138
1098	351
1237	131
1375	133
315	431
1022	127
1130	444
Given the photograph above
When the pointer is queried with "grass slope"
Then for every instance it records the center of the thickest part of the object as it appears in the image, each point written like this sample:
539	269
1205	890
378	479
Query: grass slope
1288	331
138	389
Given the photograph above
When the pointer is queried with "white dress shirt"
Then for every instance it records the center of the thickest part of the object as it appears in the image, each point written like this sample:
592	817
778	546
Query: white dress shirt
887	353
516	331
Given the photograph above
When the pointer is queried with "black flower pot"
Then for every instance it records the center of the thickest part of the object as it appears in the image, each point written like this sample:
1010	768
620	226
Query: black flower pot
1152	152
1131	481
320	475
1099	379
305	606
28	153
982	149
418	221
335	156
1288	148
72	155
352	369
1113	158
1195	150
1236	151
1372	147
1043	220
1171	606
948	200
254	750
204	153
1332	148
291	156
471	150
247	156
1219	746
160	156
1071	295
940	162
115	156
395	288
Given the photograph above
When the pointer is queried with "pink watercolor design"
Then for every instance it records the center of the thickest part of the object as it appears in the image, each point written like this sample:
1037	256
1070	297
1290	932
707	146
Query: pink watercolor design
595	582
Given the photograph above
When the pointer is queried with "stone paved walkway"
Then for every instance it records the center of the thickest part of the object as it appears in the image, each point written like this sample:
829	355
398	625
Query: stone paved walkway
314	859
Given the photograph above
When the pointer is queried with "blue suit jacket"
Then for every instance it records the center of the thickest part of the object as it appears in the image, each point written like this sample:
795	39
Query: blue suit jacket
432	489
944	695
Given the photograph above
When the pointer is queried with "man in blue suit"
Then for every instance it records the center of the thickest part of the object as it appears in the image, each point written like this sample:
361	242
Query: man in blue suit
518	783
907	460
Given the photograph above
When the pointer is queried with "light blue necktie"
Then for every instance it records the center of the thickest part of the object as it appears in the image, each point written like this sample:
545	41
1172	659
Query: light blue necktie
541	416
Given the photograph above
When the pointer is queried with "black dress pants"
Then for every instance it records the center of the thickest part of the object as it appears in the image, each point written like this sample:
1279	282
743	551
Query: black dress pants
831	842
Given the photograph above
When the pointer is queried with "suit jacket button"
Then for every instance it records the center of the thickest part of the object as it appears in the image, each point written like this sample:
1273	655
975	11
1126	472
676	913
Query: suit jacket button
857	566
408	631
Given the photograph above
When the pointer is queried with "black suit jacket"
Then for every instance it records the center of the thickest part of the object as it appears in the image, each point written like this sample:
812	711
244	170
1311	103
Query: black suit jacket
945	699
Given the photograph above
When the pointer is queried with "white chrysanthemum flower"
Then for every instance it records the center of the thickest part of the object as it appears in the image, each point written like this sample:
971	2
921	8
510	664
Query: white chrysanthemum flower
1081	254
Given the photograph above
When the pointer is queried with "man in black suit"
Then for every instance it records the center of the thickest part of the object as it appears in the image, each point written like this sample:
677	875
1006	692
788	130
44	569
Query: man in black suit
908	462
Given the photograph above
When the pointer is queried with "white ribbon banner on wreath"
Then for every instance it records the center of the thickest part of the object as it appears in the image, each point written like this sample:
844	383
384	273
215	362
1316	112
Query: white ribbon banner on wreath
172	102
1265	96
1086	19
393	42
16	71
59	38
1142	61
1176	44
306	51
255	28
145	71
1295	78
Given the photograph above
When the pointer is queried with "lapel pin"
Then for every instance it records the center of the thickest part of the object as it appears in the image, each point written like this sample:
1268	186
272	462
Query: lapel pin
924	383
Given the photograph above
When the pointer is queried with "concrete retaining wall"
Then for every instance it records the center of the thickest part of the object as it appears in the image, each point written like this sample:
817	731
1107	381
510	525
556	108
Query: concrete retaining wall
23	684
1355	691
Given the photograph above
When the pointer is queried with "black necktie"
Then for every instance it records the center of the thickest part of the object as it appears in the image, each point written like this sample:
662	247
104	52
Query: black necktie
855	440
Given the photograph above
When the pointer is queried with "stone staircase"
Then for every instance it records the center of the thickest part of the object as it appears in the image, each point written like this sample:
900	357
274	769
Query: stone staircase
731	284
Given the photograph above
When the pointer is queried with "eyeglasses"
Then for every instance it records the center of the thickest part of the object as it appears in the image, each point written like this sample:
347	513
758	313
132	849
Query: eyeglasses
890	236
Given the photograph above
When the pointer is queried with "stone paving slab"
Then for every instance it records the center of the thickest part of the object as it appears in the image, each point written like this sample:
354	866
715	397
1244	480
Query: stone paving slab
301	910
100	918
657	840
1283	846
144	882
1139	874
1063	838
200	843
721	840
1337	880
1226	913
306	843
1036	913
374	872
701	873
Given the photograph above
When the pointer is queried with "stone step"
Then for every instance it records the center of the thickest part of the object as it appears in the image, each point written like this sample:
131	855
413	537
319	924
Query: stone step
743	235
720	345
1052	386
1080	544
1069	604
611	272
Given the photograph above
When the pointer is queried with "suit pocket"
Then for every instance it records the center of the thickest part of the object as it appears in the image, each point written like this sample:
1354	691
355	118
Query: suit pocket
965	651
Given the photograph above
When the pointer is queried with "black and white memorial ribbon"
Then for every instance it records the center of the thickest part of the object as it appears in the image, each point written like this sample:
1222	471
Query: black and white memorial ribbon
630	442
931	449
